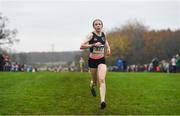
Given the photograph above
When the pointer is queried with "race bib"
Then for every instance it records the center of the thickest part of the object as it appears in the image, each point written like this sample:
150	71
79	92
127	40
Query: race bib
98	50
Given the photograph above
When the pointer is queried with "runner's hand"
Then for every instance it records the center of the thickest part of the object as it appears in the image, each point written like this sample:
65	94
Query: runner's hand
97	44
108	52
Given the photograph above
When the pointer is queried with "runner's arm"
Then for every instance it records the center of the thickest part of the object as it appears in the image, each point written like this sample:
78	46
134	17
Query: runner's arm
85	44
108	52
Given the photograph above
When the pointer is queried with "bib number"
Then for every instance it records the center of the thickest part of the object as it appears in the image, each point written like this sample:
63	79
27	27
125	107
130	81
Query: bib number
99	50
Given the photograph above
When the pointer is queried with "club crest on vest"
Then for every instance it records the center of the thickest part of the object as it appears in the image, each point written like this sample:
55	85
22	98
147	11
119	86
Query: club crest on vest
95	39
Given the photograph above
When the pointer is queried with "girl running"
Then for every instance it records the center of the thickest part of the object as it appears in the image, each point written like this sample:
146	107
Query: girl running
97	42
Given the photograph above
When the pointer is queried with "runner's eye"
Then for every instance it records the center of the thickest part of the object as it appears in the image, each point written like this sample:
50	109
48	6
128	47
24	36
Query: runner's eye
98	24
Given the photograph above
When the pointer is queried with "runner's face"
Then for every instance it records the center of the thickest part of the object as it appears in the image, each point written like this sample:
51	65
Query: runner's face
98	26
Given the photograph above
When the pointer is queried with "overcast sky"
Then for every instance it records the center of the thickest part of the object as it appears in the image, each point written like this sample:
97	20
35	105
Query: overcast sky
61	25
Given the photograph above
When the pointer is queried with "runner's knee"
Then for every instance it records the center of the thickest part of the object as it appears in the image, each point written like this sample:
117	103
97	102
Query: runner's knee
101	81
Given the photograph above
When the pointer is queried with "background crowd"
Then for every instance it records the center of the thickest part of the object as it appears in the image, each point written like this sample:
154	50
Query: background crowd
156	65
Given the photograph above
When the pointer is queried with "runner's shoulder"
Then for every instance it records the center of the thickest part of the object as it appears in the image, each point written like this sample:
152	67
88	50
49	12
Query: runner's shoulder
104	33
89	36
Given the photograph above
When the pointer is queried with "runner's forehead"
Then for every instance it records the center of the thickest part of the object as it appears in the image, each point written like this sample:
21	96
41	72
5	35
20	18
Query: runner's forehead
97	22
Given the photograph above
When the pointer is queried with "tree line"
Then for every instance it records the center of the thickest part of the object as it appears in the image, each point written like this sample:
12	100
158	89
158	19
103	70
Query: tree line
136	44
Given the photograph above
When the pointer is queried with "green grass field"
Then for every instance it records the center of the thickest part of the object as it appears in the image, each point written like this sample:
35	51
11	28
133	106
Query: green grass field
69	93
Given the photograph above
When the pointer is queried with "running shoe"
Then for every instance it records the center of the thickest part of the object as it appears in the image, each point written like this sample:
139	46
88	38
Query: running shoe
93	90
103	105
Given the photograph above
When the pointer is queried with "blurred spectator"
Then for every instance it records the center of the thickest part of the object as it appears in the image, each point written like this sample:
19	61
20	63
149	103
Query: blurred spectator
173	63
155	63
120	65
2	63
178	63
81	64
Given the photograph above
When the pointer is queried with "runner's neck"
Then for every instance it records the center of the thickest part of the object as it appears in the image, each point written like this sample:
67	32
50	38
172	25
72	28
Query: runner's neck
98	33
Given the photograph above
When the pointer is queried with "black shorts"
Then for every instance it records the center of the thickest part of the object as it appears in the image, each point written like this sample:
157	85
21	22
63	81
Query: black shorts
93	63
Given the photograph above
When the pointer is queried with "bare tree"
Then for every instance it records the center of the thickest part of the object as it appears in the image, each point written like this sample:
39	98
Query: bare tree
7	36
